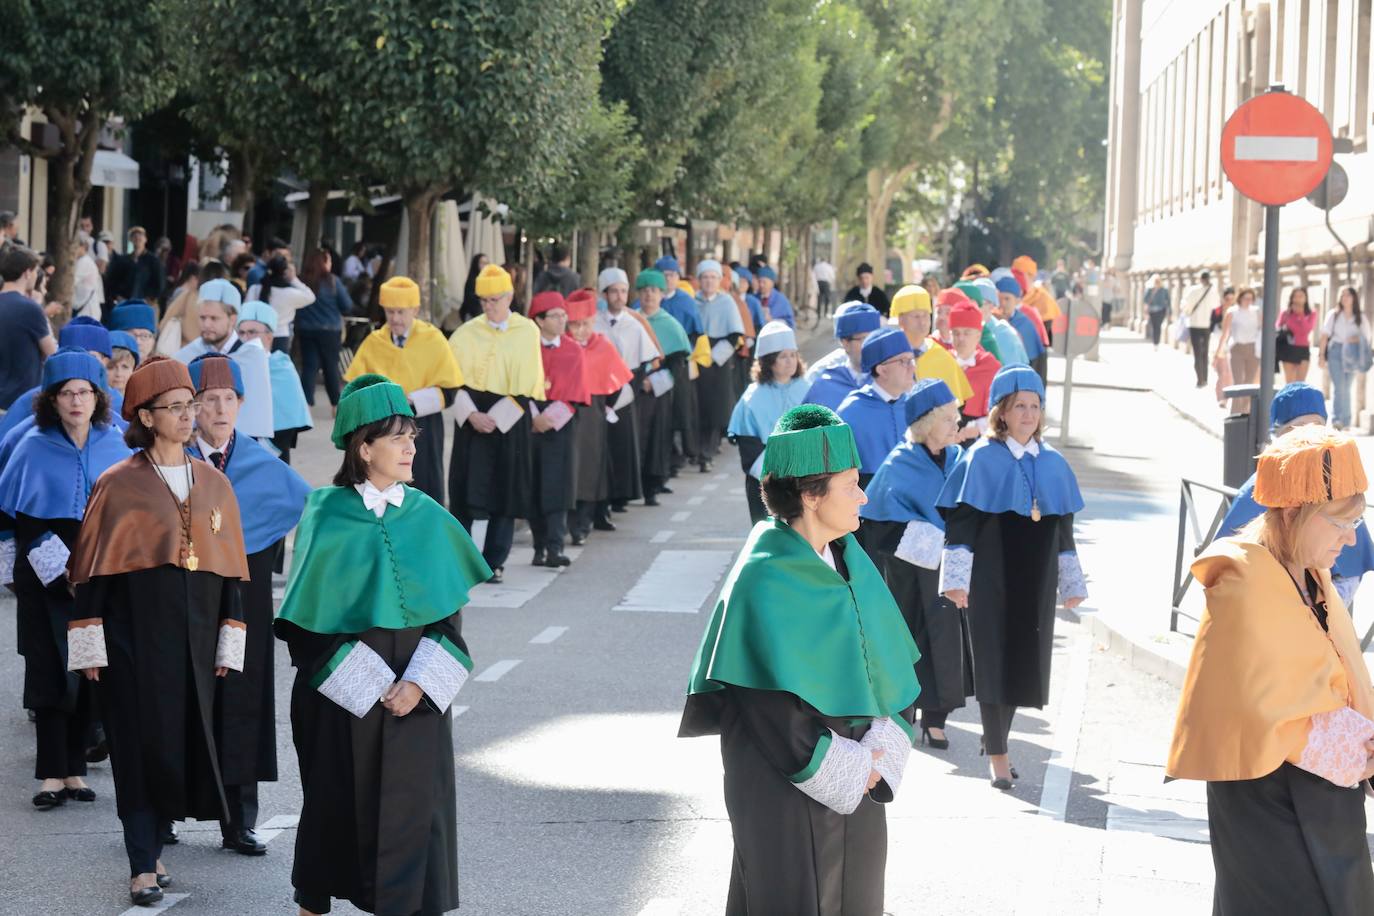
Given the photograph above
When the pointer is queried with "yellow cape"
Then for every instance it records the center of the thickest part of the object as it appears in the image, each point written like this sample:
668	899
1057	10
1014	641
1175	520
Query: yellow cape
425	362
1038	298
937	362
1261	668
701	353
500	362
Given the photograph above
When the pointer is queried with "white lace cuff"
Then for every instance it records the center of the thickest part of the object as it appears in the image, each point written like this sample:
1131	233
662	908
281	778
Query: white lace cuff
355	678
888	735
233	638
837	775
1071	581
921	544
86	646
440	669
49	558
956	569
426	401
1335	746
7	553
1345	587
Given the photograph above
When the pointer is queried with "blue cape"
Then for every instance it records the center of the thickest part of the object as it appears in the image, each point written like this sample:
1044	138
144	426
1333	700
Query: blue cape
22	409
1352	563
907	485
878	426
758	410
756	312
988	479
780	308
289	408
833	385
48	477
271	495
684	308
1009	342
1030	338
10	441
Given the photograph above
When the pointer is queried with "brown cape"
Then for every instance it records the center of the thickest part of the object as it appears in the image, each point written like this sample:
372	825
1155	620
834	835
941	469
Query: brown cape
132	524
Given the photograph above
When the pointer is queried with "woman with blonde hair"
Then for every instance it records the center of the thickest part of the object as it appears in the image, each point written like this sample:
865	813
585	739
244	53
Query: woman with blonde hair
1277	711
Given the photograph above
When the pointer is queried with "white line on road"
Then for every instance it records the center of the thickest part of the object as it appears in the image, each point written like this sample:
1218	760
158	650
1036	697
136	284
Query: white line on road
549	635
696	501
168	901
708	487
498	670
270	830
679	517
1068	721
678	581
662	537
721	477
662	906
459	710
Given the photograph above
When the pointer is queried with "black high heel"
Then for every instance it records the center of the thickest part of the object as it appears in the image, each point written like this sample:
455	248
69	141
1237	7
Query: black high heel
939	744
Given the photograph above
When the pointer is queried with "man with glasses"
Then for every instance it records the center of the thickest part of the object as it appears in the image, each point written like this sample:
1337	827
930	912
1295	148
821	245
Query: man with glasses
877	410
218	311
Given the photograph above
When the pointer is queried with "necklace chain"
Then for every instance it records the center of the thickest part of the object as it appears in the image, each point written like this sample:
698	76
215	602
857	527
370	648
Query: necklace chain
189	559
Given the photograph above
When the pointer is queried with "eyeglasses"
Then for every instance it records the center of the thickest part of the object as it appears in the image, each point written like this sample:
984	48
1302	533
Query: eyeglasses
1345	526
84	394
142	334
184	409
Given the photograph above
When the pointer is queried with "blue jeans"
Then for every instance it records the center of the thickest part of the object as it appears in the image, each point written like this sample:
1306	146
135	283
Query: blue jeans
1340	364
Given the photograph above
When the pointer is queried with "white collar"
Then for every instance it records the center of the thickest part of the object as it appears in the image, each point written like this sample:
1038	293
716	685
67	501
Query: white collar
377	500
882	393
966	363
1017	449
498	326
828	556
206	449
551	343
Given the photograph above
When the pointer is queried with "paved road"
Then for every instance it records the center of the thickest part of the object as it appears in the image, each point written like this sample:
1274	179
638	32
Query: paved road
576	798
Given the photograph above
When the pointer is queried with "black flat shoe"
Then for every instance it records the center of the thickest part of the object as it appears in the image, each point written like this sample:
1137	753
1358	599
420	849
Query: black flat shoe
498	575
705	467
83	794
170	838
939	744
99	752
556	561
665	490
651	501
604	525
1002	783
578	540
164	880
620	507
538	558
148	896
244	842
45	800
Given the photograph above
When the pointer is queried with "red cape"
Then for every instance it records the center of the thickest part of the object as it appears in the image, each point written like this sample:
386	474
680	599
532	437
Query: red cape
565	377
980	374
605	371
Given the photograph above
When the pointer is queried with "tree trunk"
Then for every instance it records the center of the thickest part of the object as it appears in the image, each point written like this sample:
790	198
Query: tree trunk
420	204
589	255
314	215
689	266
70	173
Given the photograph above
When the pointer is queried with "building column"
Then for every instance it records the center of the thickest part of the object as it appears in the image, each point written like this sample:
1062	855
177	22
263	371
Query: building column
1124	136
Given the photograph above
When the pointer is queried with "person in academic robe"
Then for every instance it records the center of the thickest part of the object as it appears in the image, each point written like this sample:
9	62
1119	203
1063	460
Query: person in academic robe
271	499
716	384
157	569
555	429
372	617
912	312
807	672
138	319
840	372
977	297
1276	714
1009	309
980	366
661	388
682	307
877	411
622	327
44	489
415	355
779	385
1008	506
290	413
606	375
1010	351
124	359
217	315
751	313
1033	319
1300	404
491	469
776	305
865	291
904	533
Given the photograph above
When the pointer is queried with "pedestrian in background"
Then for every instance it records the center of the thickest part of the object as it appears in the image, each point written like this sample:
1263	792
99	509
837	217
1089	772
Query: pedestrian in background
1295	328
471	306
1195	310
1156	307
25	336
823	272
1345	352
319	325
285	293
1240	345
865	291
1277	712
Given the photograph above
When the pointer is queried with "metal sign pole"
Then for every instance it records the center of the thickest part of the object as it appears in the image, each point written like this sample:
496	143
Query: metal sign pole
1260	419
1068	375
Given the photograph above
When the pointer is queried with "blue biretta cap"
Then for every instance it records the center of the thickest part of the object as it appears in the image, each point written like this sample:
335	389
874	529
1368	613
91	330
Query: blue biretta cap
668	262
928	394
1009	285
221	291
131	314
123	340
767	273
856	318
85	334
73	362
1011	379
1296	399
882	345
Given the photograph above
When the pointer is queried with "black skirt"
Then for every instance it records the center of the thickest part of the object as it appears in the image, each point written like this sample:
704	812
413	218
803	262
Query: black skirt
1292	353
491	475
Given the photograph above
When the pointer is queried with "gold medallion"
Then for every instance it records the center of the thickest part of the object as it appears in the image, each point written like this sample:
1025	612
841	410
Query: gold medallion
216	519
1035	510
192	561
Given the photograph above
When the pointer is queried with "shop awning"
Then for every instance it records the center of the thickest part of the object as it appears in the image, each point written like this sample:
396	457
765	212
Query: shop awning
114	170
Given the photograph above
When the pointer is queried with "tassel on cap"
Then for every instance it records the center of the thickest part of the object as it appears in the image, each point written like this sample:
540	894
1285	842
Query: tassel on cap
1310	464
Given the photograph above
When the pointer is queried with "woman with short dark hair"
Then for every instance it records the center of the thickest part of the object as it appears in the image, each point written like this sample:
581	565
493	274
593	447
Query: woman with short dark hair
43	493
806	671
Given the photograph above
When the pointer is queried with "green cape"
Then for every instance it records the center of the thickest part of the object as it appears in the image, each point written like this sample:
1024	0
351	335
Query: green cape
787	621
353	571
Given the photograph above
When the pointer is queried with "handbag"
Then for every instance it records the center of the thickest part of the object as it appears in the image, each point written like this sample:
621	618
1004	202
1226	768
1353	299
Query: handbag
1181	334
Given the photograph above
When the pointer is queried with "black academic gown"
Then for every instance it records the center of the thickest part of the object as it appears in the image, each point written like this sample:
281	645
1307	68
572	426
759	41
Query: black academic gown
491	475
593	464
380	803
622	446
684	402
716	397
245	702
157	693
555	468
945	668
1014	591
655	436
428	466
41	618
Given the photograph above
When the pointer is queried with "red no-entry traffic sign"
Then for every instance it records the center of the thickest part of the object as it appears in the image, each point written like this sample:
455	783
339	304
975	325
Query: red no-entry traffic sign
1276	148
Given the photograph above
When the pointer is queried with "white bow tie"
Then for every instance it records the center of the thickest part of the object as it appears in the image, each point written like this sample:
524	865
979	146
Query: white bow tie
376	500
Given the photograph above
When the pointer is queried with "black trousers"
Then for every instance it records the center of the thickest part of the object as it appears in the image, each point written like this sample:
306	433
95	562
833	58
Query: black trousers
320	351
62	740
143	840
1201	338
549	530
934	718
243	807
823	297
1156	326
996	726
496	545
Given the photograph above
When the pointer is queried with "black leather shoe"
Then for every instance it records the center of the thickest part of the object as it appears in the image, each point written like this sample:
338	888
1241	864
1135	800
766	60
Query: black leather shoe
619	507
170	837
244	842
45	800
1002	783
665	490
164	880
651	501
83	794
556	561
498	575
604	525
578	540
538	558
705	467
148	896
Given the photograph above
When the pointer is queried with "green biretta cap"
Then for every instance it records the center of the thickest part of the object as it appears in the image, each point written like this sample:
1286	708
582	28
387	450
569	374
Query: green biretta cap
367	399
810	439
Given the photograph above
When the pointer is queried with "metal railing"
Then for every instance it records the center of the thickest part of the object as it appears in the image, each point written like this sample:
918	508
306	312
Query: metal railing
1188	515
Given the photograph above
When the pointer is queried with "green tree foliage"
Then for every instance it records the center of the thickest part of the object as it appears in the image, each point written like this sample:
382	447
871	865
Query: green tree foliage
80	65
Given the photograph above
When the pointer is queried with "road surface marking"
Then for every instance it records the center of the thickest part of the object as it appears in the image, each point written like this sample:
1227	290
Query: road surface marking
1068	721
662	906
678	581
549	635
522	584
459	710
168	901
662	537
270	830
721	477
498	670
708	487
679	517
1257	148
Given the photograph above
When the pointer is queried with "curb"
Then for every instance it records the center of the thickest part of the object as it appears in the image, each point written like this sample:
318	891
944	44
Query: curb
1140	655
